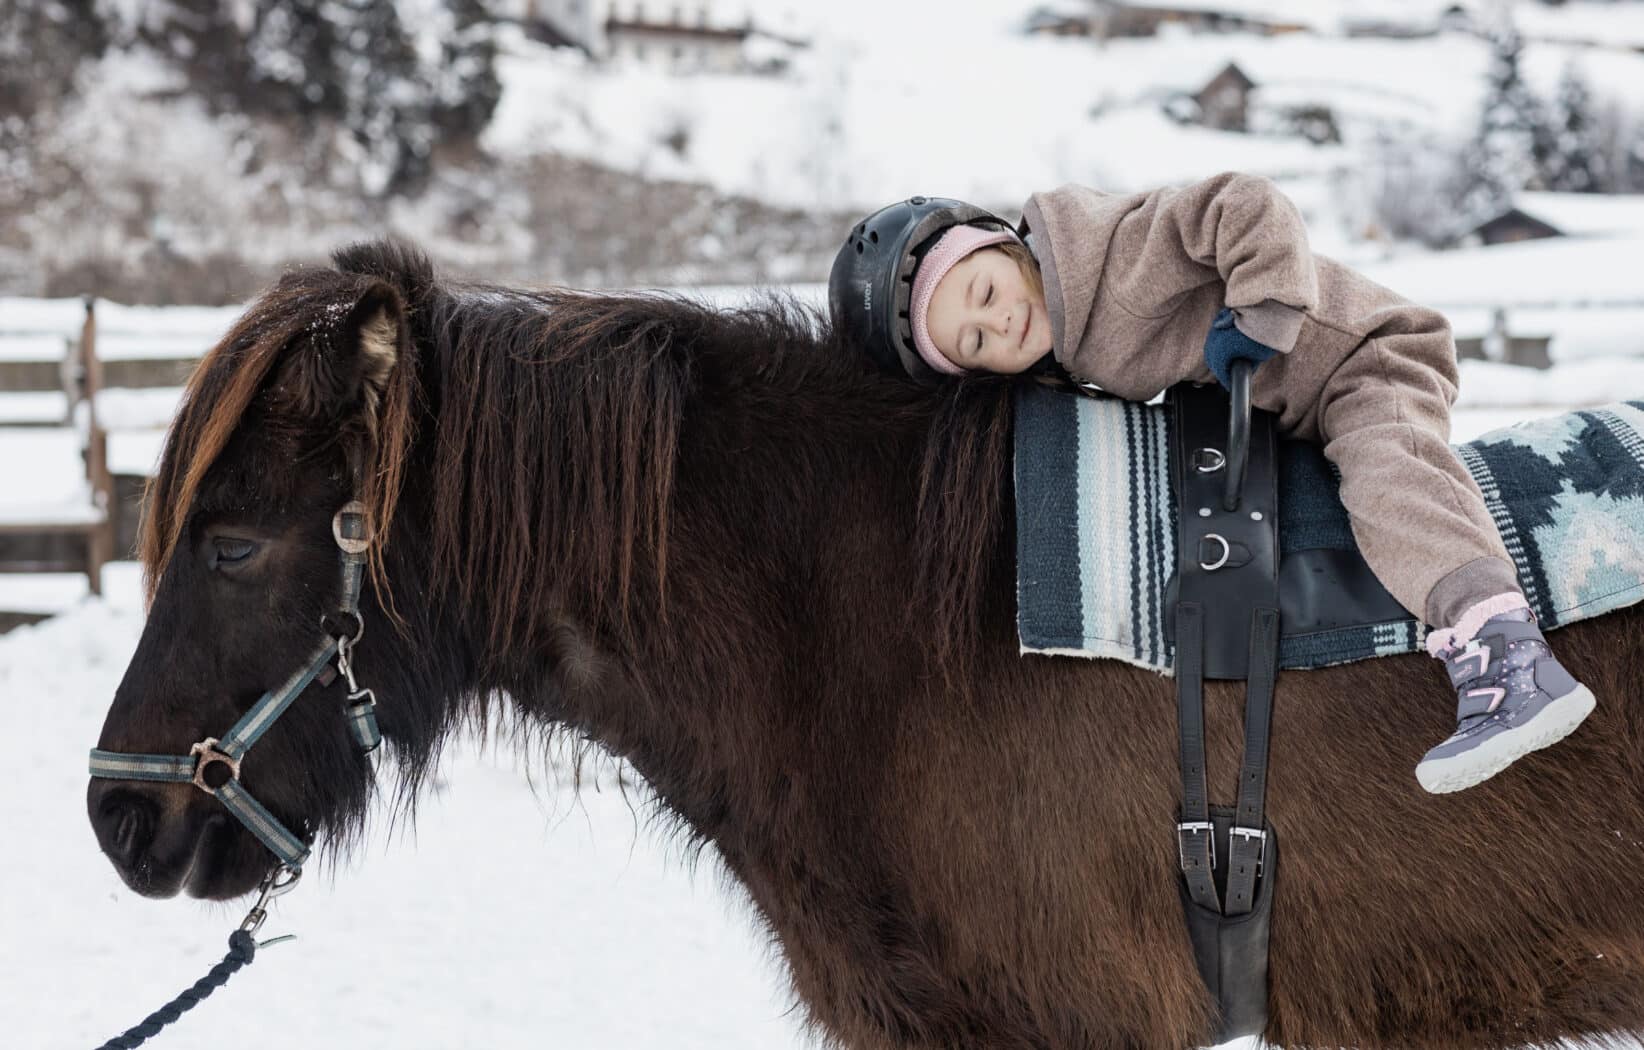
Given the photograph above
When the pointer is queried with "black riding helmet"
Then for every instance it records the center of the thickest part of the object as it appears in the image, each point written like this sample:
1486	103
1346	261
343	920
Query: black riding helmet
871	282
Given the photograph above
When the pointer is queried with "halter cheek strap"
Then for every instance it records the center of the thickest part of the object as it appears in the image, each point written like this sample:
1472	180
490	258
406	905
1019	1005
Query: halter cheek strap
213	764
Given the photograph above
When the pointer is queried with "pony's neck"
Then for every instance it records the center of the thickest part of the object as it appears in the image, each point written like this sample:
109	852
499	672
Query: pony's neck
784	525
662	525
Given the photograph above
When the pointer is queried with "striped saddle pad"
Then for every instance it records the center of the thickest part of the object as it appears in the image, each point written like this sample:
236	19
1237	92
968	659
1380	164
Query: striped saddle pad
1095	524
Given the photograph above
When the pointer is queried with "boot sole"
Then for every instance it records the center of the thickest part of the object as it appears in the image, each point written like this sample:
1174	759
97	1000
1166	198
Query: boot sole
1556	721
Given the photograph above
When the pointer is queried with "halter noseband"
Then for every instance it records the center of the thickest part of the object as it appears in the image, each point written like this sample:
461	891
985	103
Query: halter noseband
213	765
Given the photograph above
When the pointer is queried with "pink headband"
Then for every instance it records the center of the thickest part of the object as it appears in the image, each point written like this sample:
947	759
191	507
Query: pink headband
953	246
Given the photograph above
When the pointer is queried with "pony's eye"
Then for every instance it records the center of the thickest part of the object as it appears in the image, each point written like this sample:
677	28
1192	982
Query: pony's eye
230	551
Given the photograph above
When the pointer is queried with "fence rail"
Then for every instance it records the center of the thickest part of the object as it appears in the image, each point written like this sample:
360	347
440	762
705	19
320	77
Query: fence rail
87	386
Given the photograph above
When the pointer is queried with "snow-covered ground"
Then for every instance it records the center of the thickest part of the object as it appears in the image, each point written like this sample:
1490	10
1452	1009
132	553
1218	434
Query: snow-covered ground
510	918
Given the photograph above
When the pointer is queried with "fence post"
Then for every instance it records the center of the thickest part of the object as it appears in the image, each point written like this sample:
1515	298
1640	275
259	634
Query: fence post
100	540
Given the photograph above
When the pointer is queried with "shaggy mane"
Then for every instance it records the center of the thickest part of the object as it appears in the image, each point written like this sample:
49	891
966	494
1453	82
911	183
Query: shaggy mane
592	389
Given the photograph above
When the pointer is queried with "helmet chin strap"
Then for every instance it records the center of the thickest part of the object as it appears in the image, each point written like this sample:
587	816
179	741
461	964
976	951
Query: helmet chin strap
213	764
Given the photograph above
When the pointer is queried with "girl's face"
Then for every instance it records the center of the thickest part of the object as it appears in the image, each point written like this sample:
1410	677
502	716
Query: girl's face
986	316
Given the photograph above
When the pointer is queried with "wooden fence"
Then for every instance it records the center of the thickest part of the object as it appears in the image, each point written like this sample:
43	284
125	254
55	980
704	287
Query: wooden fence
68	397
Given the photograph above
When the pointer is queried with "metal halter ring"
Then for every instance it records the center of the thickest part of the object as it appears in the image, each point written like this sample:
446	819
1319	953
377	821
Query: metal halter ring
351	544
206	753
1227	551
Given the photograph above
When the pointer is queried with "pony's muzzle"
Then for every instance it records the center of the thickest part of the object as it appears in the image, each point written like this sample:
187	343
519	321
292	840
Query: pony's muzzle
147	832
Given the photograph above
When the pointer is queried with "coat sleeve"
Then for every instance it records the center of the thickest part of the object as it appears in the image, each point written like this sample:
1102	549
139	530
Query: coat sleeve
1236	228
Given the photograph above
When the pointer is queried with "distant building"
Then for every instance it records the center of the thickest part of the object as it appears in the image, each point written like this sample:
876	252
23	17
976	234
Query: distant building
1224	102
675	41
1383	28
1109	19
1067	19
670	36
1116	18
1532	216
1406	20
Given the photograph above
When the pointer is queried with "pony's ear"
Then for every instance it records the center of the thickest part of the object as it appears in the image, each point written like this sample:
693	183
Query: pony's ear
342	362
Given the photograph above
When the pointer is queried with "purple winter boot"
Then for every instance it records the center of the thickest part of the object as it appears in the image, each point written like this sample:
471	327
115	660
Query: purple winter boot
1513	696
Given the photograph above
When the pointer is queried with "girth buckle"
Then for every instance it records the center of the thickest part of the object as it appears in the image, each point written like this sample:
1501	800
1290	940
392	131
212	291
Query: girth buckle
1183	830
1253	833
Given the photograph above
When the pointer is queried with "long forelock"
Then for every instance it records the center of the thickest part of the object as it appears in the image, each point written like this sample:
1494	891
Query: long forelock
220	394
215	400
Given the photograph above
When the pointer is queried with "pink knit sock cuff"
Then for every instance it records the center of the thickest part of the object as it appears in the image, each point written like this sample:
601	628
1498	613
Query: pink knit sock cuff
1472	621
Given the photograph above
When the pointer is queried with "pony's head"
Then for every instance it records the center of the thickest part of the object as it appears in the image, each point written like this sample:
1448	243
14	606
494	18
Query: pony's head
281	425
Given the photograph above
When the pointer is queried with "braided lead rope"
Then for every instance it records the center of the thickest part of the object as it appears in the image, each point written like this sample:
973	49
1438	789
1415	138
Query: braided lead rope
242	948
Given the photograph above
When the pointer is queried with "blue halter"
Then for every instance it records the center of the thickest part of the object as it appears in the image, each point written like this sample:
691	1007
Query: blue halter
218	760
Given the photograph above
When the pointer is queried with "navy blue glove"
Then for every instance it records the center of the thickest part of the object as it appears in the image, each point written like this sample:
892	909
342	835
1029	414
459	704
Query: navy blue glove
1226	344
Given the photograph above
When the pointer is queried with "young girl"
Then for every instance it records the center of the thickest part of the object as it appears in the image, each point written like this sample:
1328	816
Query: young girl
1137	292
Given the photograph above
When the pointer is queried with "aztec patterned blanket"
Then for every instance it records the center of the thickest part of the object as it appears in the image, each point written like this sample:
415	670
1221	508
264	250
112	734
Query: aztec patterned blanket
1095	524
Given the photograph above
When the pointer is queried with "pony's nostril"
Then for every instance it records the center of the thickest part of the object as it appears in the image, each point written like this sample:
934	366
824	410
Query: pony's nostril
127	830
128	822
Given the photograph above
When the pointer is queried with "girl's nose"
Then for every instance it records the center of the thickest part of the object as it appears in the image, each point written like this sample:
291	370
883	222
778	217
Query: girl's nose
1001	319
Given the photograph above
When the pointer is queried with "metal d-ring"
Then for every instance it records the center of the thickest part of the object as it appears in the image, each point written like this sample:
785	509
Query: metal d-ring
1208	460
1227	551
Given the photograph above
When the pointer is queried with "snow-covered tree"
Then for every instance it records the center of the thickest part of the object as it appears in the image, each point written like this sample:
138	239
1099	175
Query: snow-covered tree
1577	163
205	42
1409	180
42	43
1620	134
1513	139
466	87
292	49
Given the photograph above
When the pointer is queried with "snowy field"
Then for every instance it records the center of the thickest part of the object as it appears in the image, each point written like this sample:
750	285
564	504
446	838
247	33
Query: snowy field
510	918
516	914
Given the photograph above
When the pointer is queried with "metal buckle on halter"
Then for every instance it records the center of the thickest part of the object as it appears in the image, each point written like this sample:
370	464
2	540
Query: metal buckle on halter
1192	828
204	754
340	523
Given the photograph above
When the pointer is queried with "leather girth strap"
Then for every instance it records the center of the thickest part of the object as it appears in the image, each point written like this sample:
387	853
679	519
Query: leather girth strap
1226	625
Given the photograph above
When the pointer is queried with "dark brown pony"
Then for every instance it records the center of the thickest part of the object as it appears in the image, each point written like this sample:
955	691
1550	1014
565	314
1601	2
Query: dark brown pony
781	587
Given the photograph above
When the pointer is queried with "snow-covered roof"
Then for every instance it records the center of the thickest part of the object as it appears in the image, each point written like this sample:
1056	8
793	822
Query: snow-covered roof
1585	214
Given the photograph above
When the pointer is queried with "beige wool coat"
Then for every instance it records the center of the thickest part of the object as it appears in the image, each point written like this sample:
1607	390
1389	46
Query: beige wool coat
1132	283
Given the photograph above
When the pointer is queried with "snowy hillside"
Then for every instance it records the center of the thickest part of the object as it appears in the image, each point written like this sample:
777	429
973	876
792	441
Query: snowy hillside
981	111
596	172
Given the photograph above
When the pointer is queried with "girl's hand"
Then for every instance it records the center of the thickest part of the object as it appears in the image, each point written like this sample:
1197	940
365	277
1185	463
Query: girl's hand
1226	344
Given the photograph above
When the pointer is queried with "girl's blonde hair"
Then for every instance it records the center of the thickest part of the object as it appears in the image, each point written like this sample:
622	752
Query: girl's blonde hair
1025	262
